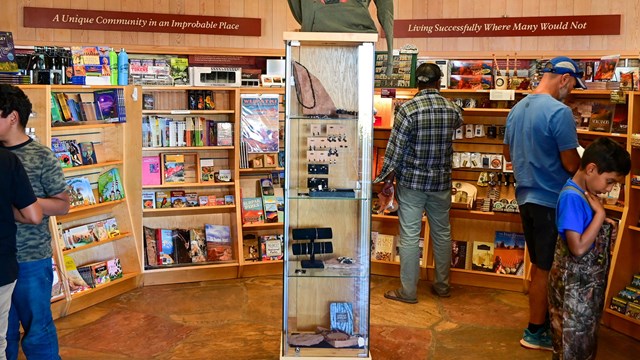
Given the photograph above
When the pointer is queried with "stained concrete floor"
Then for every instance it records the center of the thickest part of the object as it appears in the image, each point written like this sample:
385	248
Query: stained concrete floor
240	319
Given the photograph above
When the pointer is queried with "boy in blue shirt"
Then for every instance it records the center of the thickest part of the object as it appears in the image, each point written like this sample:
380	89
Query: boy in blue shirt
578	276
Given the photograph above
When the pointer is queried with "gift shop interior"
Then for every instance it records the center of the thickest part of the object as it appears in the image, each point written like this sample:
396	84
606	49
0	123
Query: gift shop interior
224	161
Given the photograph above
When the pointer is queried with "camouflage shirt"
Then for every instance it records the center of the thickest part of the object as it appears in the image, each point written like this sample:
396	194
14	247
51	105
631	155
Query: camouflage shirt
34	241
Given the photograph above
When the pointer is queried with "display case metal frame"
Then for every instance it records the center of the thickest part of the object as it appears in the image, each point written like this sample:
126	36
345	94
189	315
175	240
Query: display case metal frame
344	64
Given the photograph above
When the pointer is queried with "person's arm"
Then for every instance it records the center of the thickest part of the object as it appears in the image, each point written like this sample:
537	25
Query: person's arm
31	214
578	243
506	153
55	205
570	160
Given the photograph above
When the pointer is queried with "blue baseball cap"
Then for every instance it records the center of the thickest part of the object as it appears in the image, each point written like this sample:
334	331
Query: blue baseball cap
564	65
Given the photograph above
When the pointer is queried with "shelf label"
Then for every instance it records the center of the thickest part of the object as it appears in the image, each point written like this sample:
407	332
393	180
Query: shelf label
502	94
388	93
180	112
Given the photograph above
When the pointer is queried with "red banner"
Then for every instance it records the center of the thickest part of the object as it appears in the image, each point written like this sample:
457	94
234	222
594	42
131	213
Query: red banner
509	26
136	22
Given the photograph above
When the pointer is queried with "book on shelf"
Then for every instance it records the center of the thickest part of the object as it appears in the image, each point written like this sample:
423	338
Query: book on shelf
57	288
280	207
219	247
100	272
620	122
229	200
74	279
173	165
458	254
260	122
224	133
182	246
207	170
114	269
150	246
108	105
79	236
482	256
8	64
192	199
110	187
271	247
148	200
252	212
111	225
151	170
80	192
508	252
601	116
163	200
341	317
178	199
383	246
164	239
87	153
179	72
198	248
74	150
250	248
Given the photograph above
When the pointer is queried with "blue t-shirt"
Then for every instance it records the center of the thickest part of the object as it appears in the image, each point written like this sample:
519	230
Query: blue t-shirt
538	128
573	211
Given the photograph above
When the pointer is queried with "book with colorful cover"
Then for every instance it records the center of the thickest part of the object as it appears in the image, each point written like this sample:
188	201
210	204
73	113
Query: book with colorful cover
207	170
114	269
271	247
80	192
458	254
224	134
100	272
74	150
482	256
383	247
260	122
601	116
64	158
8	63
87	153
341	316
110	186
163	200
151	170
148	200
198	248
150	246
74	279
107	104
164	239
250	248
252	212
181	246
219	247
111	225
79	236
508	252
173	166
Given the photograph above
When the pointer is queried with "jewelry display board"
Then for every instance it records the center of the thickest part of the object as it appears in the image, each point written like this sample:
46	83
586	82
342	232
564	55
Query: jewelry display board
328	132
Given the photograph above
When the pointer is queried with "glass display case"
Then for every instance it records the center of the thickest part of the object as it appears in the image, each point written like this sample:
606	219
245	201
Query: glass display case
328	135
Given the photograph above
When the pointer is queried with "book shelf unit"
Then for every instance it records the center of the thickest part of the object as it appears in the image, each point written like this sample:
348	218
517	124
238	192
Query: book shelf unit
171	102
626	253
470	225
249	187
111	142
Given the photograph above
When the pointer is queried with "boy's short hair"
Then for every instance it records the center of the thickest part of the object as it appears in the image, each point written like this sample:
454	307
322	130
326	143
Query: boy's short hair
12	98
608	156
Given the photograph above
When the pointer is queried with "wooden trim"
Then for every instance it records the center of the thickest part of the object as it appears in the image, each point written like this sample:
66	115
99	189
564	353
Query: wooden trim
96	243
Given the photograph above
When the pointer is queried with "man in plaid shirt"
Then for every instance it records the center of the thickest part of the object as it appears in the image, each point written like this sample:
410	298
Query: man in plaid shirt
418	156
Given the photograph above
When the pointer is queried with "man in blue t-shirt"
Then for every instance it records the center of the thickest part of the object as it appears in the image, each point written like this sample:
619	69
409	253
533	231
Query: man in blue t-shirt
17	203
541	141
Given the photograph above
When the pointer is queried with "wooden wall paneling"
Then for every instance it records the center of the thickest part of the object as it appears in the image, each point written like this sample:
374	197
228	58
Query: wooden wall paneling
530	8
450	10
465	10
420	12
161	6
266	40
252	10
280	10
221	8
480	9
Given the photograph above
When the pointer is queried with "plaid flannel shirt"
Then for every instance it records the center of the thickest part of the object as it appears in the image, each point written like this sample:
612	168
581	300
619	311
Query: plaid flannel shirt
420	147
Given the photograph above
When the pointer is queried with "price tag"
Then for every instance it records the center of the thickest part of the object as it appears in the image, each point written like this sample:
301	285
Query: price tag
388	93
502	94
618	97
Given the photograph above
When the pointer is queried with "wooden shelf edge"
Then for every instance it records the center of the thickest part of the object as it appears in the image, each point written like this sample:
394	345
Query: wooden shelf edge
124	278
219	208
62	128
191	266
261	263
600	133
263	225
97	243
188	148
80	209
261	170
634	228
184	112
92	166
622	316
187	185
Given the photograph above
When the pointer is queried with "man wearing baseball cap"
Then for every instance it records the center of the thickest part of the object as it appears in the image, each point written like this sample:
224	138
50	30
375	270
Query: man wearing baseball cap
541	141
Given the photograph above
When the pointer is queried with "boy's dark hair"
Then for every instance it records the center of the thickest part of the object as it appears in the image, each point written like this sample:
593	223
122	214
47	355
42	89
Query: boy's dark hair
608	155
12	98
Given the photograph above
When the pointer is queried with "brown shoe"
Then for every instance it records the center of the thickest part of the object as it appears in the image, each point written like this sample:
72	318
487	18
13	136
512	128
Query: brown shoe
395	295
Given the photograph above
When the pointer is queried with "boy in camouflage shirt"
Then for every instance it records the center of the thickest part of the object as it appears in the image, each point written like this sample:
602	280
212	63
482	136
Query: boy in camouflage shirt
578	276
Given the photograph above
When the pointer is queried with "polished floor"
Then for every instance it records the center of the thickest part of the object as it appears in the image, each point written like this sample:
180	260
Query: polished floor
240	319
